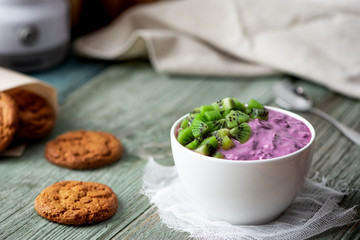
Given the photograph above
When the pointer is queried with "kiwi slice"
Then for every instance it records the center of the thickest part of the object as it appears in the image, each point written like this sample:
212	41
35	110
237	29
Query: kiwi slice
208	146
241	132
225	112
231	120
194	143
254	104
206	108
210	140
196	110
226	143
185	136
218	155
238	105
243	116
216	125
184	123
191	117
221	133
234	118
204	150
228	103
223	137
210	112
199	128
262	114
218	104
212	115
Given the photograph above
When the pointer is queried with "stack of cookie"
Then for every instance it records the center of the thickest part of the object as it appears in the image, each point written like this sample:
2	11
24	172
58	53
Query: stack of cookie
24	116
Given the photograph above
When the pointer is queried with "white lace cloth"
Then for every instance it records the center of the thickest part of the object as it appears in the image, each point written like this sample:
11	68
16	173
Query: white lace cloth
315	210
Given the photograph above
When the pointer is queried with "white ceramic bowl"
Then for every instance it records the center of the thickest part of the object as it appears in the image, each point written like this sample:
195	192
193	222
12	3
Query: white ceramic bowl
243	191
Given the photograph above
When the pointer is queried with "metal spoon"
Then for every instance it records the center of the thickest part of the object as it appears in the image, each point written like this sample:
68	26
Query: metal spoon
293	98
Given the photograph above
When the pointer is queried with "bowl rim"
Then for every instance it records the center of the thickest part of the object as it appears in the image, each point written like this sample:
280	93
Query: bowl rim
253	161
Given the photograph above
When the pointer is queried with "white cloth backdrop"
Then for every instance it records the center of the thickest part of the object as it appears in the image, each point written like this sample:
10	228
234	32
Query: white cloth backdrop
315	39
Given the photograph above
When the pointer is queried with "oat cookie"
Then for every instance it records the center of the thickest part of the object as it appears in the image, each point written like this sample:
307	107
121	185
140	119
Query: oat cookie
37	117
76	203
83	149
8	120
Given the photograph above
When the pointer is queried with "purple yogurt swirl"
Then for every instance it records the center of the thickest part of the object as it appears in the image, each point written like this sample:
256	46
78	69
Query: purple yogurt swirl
280	135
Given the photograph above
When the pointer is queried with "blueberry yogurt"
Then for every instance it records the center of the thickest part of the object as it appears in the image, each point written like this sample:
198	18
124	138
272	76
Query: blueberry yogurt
280	135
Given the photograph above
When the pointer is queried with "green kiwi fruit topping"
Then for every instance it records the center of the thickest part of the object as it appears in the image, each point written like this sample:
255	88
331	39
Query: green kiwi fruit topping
212	115
218	155
194	143
228	103
208	147
214	126
184	123
235	118
221	133
226	143
254	104
239	105
198	127
241	132
259	113
185	136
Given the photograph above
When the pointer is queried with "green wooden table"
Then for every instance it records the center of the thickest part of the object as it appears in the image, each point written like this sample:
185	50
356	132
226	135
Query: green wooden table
138	105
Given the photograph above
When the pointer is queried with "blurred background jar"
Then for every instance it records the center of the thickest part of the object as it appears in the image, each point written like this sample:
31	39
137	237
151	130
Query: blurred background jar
34	34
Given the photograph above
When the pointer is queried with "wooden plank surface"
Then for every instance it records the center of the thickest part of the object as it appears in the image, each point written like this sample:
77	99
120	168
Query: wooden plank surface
139	106
70	75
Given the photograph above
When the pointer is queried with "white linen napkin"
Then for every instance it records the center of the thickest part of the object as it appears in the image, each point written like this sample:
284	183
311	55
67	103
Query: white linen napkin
315	39
314	210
